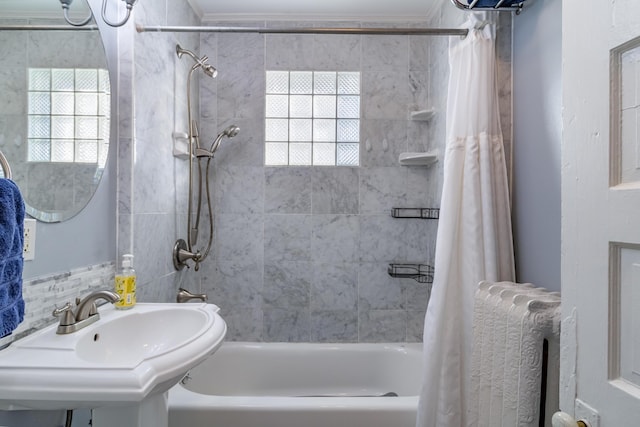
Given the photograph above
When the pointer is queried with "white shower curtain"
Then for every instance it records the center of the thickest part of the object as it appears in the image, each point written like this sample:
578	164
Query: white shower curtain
474	240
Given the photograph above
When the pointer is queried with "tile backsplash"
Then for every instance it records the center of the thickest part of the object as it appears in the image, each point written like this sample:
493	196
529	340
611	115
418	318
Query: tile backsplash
45	293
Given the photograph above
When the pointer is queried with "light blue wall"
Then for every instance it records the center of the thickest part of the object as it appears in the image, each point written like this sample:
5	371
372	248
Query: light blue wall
537	138
88	238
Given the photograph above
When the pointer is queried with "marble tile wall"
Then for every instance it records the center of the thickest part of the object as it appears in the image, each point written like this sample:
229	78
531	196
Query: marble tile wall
151	182
301	253
45	293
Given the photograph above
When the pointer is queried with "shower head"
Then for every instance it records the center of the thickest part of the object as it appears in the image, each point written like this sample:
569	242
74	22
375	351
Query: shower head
229	132
208	69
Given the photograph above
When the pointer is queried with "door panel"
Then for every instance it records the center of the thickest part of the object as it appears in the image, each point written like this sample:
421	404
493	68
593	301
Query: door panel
601	209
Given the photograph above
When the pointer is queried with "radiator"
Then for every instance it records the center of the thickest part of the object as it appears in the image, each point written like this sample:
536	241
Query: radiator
515	366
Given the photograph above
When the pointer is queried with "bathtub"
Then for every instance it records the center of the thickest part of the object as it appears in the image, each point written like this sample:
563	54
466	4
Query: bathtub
301	385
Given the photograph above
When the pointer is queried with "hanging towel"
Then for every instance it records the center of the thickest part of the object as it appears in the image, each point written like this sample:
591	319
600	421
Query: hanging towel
11	261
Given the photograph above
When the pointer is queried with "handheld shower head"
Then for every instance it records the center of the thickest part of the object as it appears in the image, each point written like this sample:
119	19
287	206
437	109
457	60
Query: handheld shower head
229	132
208	69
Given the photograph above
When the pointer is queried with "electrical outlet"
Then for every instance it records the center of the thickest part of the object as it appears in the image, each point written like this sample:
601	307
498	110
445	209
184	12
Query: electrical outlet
29	251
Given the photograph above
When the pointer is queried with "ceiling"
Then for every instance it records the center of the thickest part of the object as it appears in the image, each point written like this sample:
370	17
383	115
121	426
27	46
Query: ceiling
210	10
300	9
39	8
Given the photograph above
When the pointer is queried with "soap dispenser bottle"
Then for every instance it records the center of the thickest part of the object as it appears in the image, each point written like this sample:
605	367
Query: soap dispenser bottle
126	284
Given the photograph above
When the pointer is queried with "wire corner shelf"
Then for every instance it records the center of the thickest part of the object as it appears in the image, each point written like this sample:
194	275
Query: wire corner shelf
421	273
420	213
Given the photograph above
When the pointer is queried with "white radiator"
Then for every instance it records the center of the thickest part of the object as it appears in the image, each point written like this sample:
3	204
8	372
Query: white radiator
515	365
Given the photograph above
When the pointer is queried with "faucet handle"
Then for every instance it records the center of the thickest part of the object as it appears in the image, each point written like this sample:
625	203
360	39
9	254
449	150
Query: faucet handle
66	313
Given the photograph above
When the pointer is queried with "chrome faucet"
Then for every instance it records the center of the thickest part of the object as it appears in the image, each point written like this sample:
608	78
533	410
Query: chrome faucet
86	312
184	296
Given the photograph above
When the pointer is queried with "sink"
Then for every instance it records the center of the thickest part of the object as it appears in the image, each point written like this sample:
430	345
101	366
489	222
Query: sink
143	334
124	357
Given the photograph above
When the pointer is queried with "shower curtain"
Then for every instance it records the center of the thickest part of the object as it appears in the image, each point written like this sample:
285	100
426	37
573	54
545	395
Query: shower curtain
474	239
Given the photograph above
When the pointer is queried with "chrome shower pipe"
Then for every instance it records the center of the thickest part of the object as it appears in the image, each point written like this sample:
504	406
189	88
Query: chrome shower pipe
185	251
194	141
229	132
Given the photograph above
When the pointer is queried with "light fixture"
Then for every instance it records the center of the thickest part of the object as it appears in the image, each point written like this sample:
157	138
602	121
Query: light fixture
129	3
65	8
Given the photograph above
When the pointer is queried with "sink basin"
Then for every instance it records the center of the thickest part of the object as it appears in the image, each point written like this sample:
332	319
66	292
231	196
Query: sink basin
122	358
128	340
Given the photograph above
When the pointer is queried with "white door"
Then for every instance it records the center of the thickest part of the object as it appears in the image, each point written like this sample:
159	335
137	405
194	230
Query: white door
600	361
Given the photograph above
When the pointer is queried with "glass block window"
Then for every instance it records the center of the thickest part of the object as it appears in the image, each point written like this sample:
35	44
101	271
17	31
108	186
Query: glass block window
312	118
68	115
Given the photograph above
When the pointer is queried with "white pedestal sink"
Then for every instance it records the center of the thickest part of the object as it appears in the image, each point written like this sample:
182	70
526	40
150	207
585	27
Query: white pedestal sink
122	365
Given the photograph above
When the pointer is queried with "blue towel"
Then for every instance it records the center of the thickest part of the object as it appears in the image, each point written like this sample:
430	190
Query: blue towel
492	3
11	260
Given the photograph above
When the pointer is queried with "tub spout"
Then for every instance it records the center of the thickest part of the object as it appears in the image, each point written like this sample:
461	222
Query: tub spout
184	296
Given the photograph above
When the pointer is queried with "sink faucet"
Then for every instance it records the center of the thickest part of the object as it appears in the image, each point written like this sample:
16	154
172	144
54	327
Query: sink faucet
87	306
86	313
184	296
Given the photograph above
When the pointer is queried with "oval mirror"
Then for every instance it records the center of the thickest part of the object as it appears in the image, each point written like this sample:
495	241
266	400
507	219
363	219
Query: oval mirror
55	117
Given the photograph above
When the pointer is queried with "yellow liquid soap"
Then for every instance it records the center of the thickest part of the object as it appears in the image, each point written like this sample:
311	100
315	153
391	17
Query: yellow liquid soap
125	284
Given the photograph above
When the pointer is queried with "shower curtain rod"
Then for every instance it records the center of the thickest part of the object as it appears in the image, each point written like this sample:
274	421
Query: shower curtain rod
308	30
47	28
275	30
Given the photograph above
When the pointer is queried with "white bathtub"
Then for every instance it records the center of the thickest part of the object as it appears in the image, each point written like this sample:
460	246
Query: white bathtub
300	385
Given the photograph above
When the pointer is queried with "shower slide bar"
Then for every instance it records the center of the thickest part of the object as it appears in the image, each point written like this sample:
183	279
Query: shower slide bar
308	30
6	169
